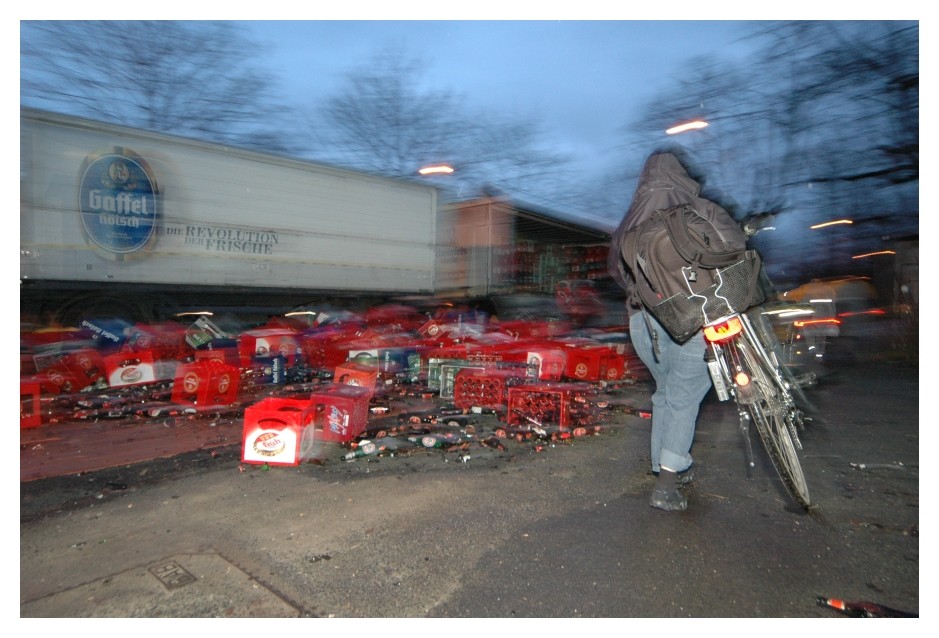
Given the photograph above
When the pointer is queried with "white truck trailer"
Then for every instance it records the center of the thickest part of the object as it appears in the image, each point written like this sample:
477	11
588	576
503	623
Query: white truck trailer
115	220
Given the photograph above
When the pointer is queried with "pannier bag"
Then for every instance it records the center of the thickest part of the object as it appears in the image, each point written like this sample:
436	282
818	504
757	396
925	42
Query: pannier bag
686	275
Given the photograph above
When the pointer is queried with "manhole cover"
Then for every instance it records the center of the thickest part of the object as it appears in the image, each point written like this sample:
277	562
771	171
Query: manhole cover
172	575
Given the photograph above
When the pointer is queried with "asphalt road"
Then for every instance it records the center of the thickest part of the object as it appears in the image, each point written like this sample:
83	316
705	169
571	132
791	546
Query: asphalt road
565	532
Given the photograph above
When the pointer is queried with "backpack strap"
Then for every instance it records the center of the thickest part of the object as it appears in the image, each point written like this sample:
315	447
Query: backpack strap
653	334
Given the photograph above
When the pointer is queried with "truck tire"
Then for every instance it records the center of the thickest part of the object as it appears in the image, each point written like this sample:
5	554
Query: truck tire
74	310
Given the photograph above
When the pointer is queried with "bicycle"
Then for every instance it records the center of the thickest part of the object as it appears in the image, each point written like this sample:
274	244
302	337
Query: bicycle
743	365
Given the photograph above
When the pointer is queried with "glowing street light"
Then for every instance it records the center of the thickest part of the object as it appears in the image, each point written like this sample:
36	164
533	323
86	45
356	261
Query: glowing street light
831	223
436	169
879	252
687	126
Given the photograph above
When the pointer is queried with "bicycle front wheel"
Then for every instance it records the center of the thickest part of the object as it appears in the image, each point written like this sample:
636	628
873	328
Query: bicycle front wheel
776	418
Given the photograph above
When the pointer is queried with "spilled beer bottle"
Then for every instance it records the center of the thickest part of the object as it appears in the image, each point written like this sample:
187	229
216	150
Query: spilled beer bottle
864	608
366	448
435	440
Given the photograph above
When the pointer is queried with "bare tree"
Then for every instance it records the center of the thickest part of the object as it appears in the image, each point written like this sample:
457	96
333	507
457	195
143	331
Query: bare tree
852	99
385	120
196	79
865	79
824	122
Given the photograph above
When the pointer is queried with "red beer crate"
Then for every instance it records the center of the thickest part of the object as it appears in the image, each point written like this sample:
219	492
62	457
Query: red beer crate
486	389
615	368
268	343
357	374
341	412
432	330
328	348
205	384
30	409
127	368
56	379
539	404
449	372
548	357
593	362
84	365
279	431
166	340
225	354
524	329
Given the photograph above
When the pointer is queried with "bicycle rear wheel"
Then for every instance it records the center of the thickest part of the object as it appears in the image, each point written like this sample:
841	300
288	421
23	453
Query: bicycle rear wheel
776	418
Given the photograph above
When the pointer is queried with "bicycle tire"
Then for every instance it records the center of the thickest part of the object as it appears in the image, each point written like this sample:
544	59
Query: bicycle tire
775	417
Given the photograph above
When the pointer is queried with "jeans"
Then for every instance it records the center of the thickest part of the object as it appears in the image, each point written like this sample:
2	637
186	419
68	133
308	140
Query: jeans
681	382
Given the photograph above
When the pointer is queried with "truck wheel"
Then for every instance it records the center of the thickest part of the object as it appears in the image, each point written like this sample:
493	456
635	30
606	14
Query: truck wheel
73	311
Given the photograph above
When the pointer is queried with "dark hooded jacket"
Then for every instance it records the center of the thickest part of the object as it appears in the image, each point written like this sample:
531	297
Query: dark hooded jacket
664	182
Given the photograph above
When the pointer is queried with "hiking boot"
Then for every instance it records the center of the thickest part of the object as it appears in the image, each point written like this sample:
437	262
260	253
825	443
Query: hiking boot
669	500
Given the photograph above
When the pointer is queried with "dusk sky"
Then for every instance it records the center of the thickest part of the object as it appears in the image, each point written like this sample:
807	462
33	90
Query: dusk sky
584	79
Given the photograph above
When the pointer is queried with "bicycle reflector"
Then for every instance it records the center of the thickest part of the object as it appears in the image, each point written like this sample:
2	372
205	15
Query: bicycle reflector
724	330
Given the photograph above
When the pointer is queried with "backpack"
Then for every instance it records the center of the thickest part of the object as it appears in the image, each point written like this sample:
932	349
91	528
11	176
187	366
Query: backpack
687	274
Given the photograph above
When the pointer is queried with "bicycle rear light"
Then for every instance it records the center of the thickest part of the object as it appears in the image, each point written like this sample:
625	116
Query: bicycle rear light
742	379
724	330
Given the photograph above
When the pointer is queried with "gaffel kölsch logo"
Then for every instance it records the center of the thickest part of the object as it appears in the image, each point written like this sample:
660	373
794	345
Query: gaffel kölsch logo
118	199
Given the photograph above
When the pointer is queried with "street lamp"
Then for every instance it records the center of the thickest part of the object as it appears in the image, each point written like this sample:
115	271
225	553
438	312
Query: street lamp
687	126
436	169
874	254
831	223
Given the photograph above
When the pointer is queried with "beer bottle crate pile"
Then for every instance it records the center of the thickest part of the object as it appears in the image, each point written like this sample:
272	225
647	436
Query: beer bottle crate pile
360	384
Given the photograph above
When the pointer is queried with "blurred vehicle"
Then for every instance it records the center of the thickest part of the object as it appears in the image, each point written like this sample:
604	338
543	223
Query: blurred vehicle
145	225
847	315
802	339
162	223
816	315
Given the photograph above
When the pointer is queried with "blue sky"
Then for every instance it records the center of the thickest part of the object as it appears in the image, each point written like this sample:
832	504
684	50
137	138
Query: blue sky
584	79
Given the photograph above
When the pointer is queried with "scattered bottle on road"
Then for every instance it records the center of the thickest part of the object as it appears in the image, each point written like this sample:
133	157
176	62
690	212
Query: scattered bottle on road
864	608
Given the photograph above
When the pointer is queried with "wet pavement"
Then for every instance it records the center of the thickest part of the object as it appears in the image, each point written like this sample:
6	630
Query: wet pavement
561	530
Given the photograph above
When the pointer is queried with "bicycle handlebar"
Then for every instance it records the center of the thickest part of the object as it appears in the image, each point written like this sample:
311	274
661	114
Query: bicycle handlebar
756	222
